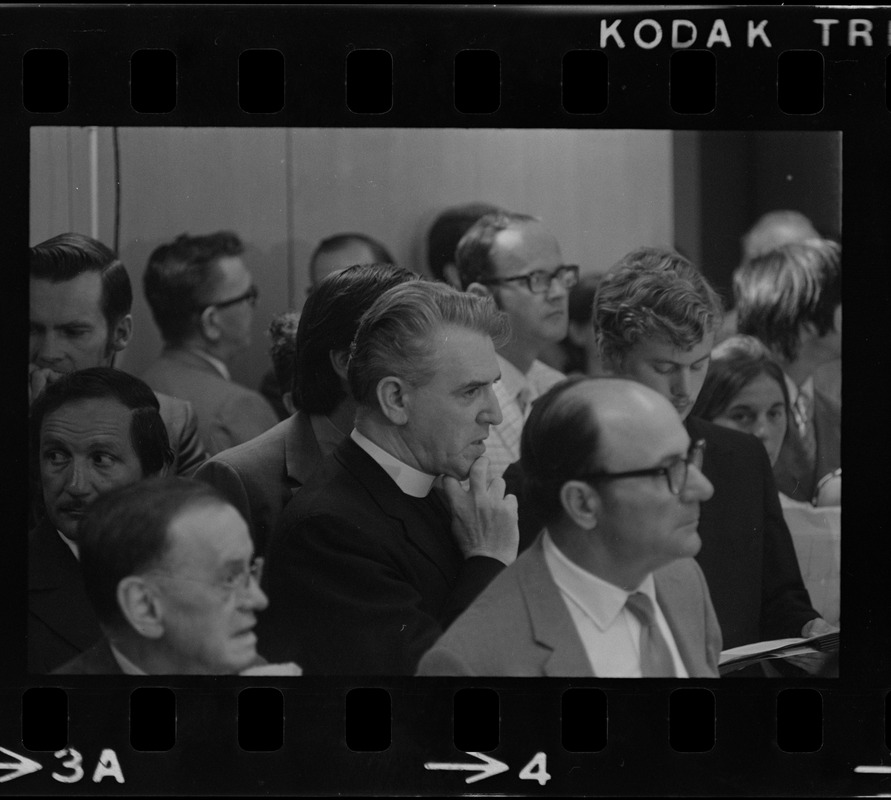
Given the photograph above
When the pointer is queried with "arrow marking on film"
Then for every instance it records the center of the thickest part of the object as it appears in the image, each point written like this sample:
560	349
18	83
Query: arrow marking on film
21	765
492	766
876	770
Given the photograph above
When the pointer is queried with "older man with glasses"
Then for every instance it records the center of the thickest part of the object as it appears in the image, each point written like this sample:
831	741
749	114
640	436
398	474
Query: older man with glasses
517	261
202	298
168	566
610	587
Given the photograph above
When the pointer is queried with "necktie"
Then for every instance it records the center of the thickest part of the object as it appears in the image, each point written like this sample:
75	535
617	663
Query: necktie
804	423
655	657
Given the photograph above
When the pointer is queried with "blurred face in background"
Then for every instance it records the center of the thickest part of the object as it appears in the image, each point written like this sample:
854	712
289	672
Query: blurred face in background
759	409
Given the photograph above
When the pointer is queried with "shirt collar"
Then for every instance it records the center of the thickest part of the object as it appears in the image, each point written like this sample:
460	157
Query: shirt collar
597	598
218	365
126	665
411	481
72	545
327	434
806	389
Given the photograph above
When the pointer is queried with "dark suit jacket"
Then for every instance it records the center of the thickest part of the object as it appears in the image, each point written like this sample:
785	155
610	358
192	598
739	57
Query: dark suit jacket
795	476
61	621
98	660
747	554
259	477
228	413
359	581
182	430
520	626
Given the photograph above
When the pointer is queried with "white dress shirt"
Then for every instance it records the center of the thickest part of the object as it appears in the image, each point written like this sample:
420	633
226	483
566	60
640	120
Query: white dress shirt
610	633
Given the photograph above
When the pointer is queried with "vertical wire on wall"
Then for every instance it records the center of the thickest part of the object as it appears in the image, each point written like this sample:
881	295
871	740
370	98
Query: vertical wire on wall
70	181
117	189
94	181
289	219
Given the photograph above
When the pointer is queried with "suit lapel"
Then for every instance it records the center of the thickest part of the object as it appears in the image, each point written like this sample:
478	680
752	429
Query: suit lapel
683	613
553	630
55	589
383	491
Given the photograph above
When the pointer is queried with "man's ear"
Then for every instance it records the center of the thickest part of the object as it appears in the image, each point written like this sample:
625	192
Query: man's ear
340	360
478	289
837	318
121	333
451	276
581	503
577	333
393	397
208	324
141	606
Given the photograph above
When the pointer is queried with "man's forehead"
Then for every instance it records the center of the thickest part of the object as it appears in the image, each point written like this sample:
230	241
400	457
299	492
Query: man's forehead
210	533
79	297
661	349
94	417
528	244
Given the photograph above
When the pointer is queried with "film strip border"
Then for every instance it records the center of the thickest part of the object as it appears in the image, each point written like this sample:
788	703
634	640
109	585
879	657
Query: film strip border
478	66
441	737
526	67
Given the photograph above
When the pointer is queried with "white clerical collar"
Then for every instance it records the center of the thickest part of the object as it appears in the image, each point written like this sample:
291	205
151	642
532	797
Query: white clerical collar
218	365
411	481
126	665
72	545
598	599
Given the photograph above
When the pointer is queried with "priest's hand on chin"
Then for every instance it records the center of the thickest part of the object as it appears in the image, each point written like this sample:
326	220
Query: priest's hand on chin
484	518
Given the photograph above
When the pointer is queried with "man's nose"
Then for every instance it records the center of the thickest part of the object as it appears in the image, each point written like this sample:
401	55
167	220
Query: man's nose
698	486
760	429
78	482
491	413
556	289
680	383
256	598
46	349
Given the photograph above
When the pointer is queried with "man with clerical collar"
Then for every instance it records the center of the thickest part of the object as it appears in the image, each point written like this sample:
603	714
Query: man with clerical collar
372	560
94	430
169	569
790	299
202	298
514	259
259	477
609	588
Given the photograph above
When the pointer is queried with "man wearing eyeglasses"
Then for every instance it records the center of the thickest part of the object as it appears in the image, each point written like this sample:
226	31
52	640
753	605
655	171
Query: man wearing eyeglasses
656	317
609	588
169	569
517	261
202	298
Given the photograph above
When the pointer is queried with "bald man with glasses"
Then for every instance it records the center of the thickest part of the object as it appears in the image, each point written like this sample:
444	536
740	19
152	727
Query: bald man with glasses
609	588
517	261
202	298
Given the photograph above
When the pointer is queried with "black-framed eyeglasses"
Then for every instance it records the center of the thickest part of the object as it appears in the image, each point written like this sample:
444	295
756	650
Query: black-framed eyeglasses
675	473
539	281
237	581
249	296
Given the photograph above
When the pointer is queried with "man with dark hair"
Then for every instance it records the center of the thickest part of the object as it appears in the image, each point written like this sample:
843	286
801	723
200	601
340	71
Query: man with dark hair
369	563
93	430
202	299
656	316
609	588
79	308
515	260
445	233
259	477
169	569
343	250
790	299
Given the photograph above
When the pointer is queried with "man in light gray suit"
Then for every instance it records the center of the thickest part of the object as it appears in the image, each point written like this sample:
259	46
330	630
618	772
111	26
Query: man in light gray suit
202	299
609	588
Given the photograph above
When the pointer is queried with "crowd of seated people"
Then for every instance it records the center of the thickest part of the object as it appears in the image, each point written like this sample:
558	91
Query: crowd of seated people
429	496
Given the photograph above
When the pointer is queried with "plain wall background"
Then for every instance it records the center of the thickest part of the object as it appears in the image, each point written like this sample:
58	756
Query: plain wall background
282	190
